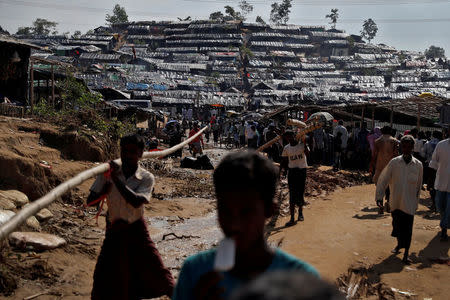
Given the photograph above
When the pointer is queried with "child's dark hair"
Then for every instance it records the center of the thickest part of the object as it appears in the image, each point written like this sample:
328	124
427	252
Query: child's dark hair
134	139
386	130
288	286
247	170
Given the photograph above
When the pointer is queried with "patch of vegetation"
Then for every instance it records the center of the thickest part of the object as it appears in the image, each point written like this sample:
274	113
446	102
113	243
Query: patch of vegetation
78	110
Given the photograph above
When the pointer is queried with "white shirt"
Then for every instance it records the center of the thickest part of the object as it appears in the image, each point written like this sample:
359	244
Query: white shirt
405	182
344	137
296	155
428	149
118	208
440	161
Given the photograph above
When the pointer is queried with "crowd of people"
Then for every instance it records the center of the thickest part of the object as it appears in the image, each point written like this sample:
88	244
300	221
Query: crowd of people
130	267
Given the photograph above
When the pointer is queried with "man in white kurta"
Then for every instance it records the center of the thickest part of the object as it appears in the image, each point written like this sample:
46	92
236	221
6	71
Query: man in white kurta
440	161
404	175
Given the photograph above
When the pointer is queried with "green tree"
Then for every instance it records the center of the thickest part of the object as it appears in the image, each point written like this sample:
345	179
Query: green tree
44	27
333	16
260	20
369	30
24	31
119	15
246	8
76	34
280	12
232	14
3	31
434	52
90	32
217	16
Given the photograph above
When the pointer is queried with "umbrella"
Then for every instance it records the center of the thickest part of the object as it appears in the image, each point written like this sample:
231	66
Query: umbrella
172	121
323	116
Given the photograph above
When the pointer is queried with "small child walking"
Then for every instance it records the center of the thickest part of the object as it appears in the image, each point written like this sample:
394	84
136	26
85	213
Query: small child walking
294	159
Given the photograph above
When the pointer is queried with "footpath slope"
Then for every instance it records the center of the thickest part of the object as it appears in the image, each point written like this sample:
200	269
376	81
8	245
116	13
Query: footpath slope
344	229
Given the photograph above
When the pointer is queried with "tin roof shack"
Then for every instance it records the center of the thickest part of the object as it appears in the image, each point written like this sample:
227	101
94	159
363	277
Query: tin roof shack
87	59
14	62
334	48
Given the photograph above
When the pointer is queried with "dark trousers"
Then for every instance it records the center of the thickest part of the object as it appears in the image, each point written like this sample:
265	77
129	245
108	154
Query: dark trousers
296	183
402	227
129	265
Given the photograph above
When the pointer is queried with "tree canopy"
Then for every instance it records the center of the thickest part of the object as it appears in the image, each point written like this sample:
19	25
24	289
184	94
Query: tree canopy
333	16
232	14
44	27
3	31
24	30
40	27
76	34
119	15
246	8
369	30
280	12
217	16
260	20
435	52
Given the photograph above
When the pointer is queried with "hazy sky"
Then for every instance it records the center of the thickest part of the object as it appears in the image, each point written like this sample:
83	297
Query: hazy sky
404	24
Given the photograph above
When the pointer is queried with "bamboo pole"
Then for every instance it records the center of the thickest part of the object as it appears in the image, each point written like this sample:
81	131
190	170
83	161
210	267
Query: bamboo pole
418	117
61	189
53	87
32	89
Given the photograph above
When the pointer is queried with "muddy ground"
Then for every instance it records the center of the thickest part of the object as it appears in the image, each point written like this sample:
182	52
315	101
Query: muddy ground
342	232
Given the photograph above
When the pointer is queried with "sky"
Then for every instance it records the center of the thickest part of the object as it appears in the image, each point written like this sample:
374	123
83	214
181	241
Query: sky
404	24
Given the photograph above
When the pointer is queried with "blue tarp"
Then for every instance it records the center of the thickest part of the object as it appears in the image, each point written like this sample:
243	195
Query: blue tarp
159	87
137	86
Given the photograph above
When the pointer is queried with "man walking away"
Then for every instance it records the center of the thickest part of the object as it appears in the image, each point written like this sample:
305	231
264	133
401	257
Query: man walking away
430	173
404	175
385	149
440	161
343	142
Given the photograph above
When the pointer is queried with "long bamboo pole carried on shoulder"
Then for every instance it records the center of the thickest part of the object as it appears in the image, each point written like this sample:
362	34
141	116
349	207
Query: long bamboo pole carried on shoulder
58	191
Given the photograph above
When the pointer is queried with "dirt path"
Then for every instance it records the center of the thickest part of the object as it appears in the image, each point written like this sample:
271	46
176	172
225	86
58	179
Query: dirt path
344	229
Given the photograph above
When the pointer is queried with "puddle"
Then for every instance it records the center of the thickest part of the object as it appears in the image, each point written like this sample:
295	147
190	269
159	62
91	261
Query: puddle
177	238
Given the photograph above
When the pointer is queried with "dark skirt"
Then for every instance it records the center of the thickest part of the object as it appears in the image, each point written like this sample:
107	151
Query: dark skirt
296	183
129	265
402	227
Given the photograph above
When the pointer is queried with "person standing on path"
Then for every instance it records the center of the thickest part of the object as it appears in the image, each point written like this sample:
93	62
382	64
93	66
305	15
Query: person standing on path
197	144
294	159
129	266
440	161
404	175
343	143
385	149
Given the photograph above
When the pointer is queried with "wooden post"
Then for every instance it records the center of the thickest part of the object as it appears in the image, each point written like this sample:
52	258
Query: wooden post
418	117
392	115
53	88
39	91
47	92
31	88
373	117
